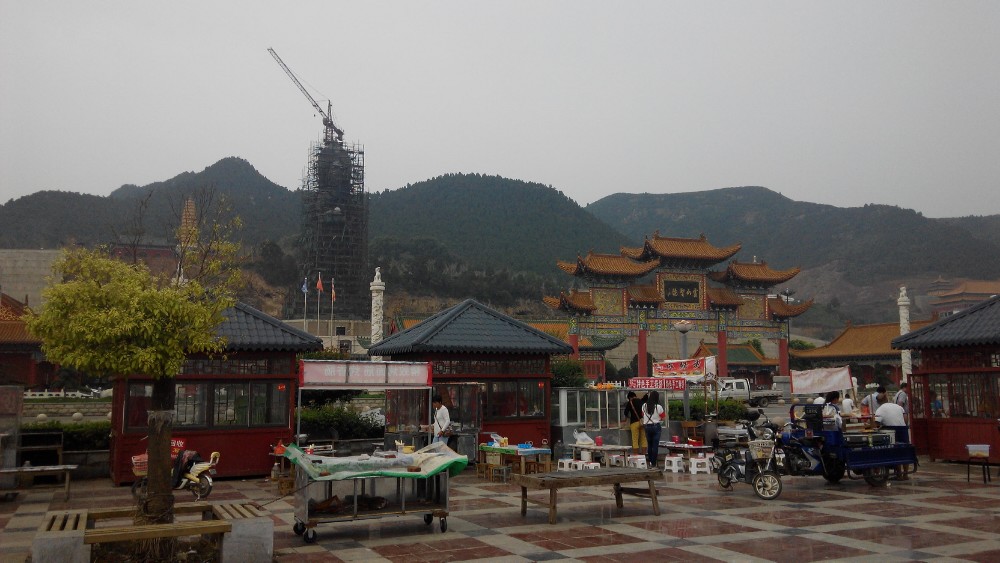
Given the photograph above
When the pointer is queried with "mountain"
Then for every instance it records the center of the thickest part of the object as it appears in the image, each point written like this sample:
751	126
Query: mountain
498	239
853	257
52	219
493	221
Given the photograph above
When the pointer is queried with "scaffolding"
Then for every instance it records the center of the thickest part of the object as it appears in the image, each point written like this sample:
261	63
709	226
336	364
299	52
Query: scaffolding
334	234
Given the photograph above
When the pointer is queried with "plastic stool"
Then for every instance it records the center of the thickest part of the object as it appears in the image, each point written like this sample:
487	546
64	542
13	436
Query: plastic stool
565	465
579	464
637	461
591	465
501	471
699	465
616	460
674	463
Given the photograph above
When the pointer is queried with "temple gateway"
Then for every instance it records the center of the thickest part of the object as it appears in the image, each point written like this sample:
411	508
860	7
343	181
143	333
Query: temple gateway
666	281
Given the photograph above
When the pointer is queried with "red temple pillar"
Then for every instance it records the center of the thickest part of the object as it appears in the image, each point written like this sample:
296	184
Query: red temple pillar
783	357
642	354
721	363
574	341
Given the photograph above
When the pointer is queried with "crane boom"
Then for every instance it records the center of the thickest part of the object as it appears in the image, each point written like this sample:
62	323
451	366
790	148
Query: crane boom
331	127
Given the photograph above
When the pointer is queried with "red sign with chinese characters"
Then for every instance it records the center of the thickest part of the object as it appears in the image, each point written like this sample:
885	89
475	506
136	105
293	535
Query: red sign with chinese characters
176	445
668	383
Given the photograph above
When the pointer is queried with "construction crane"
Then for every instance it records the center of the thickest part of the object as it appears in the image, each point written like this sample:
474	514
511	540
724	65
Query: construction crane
331	127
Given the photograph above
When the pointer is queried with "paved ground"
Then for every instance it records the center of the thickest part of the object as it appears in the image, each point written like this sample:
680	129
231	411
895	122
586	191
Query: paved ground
935	516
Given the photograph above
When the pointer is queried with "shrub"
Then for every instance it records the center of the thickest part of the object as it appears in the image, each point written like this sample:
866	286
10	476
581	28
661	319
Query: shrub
568	373
339	422
77	436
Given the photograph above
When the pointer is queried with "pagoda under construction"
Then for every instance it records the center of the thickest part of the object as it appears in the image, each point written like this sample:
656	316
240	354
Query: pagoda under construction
333	243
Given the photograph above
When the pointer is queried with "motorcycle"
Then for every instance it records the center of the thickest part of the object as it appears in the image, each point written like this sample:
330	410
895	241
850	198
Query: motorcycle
758	466
190	472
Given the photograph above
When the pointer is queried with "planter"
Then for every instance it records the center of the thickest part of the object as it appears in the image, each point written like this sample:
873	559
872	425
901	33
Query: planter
92	463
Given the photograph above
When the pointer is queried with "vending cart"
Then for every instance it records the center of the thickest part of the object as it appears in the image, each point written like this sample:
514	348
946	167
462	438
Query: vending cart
390	482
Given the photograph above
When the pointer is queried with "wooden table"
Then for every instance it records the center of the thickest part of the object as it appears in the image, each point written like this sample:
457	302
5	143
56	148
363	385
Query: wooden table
587	478
608	449
522	453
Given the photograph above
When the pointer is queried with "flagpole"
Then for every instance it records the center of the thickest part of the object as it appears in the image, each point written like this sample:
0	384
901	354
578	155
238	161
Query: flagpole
333	294
319	295
305	301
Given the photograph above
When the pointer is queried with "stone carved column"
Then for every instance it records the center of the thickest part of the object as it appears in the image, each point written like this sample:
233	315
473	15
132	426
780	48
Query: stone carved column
906	360
378	290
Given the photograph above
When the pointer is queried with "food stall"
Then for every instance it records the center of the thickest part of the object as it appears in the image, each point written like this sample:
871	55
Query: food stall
388	483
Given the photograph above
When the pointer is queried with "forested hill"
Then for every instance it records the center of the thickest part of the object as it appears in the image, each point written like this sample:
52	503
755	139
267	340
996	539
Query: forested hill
870	243
52	219
493	221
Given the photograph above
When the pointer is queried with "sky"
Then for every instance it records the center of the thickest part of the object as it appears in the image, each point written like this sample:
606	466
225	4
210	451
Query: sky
841	103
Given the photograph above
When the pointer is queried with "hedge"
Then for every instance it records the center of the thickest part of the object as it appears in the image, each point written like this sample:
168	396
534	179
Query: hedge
338	422
77	436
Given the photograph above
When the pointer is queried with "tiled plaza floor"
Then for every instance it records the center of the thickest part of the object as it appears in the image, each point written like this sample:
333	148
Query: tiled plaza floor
935	516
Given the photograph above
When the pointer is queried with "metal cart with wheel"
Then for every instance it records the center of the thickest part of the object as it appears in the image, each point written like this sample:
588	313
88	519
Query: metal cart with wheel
344	496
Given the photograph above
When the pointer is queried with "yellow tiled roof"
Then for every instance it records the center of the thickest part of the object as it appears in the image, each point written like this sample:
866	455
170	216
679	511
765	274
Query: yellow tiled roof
608	264
675	247
754	272
860	341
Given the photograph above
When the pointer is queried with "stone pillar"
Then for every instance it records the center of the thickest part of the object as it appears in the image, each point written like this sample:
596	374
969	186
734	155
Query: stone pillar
905	357
378	290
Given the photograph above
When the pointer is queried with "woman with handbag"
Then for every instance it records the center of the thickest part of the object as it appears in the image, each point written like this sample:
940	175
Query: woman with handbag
652	421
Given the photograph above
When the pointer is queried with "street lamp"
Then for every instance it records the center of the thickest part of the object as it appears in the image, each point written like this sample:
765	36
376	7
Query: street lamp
683	327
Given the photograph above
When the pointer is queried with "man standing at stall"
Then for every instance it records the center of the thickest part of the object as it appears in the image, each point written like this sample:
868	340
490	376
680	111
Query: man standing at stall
442	419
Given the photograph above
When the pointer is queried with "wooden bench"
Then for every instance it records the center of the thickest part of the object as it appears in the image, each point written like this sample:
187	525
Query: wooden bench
39	470
149	531
587	478
66	536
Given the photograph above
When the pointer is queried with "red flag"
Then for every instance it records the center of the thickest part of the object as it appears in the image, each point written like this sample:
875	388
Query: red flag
319	282
333	292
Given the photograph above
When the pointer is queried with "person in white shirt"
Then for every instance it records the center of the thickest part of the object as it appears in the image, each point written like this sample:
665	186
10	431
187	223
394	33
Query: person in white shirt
846	406
890	414
442	420
652	423
891	417
875	400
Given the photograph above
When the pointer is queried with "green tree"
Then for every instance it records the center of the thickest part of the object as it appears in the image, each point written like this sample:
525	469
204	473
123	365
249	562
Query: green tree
568	373
104	316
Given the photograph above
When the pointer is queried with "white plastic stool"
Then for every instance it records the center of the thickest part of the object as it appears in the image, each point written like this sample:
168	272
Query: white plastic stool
616	460
565	465
579	464
674	463
637	461
591	465
699	465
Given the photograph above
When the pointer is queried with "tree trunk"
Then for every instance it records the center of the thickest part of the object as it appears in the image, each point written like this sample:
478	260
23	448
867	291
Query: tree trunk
158	507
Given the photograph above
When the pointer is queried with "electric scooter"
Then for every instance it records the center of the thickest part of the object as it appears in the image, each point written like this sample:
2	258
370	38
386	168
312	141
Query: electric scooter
189	472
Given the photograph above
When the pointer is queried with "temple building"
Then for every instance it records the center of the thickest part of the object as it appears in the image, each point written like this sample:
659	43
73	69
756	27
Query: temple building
651	288
867	349
950	298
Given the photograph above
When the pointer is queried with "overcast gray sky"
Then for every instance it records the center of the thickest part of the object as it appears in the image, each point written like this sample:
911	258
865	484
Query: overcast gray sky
844	103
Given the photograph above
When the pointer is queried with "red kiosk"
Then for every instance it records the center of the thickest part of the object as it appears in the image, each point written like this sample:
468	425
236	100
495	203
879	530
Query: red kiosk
471	343
238	404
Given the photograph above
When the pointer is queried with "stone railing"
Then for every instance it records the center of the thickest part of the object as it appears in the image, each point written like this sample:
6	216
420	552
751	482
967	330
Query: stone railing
88	408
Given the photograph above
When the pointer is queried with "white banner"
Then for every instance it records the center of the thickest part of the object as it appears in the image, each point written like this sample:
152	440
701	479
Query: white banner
345	374
821	380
